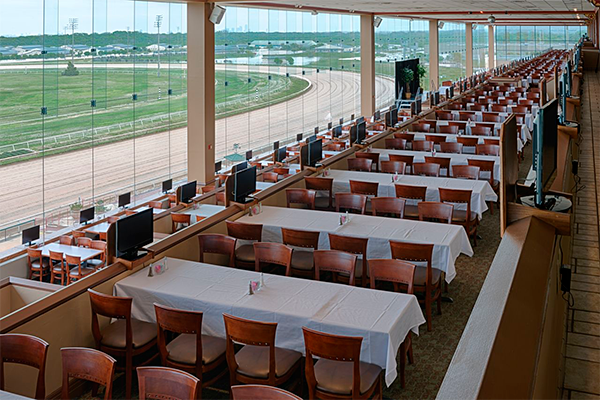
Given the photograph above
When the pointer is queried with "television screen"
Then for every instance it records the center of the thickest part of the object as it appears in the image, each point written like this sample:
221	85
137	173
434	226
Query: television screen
311	138
362	131
188	192
377	115
167	185
337	131
218	166
419	105
329	125
248	155
341	121
299	137
451	92
436	97
244	184
124	199
275	145
30	234
394	112
86	215
281	154
315	152
133	232
353	134
352	117
239	167
316	130
544	148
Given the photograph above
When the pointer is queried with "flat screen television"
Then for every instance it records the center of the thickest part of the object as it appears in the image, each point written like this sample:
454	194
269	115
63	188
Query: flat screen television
244	184
124	199
436	98
218	166
86	215
337	131
329	125
316	130
377	115
167	185
341	121
133	232
188	192
352	117
248	155
239	167
419	105
545	139
299	137
30	234
451	92
394	112
360	119
353	134
280	154
362	131
311	138
275	145
315	152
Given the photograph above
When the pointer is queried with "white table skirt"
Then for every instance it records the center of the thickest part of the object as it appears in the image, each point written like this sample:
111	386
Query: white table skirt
382	318
449	240
201	211
456	159
481	190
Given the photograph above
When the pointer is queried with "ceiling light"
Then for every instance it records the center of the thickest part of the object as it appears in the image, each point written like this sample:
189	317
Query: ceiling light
314	12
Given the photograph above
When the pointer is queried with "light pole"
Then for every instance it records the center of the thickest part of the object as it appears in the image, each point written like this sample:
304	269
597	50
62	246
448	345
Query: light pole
157	25
72	25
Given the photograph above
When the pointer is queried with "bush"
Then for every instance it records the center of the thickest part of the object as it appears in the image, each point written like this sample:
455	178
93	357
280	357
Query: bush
71	70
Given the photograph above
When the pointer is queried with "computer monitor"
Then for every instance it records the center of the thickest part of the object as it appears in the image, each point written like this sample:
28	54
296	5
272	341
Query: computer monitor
244	184
388	119
394	112
337	131
124	199
377	115
30	234
451	92
133	232
239	167
86	215
188	192
360	119
311	138
341	121
299	137
353	134
218	166
545	140
280	154
362	131
248	155
167	185
329	125
352	117
315	152
316	130
419	105
275	145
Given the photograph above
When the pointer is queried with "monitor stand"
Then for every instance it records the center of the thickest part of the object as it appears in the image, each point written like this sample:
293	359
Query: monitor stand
552	202
244	200
134	255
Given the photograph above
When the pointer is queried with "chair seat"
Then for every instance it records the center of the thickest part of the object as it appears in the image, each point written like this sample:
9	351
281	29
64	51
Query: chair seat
421	276
57	269
336	376
114	334
95	263
253	361
85	271
182	349
36	264
245	253
303	260
459	216
411	211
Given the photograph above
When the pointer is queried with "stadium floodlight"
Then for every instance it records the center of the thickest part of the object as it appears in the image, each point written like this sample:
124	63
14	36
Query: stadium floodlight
157	25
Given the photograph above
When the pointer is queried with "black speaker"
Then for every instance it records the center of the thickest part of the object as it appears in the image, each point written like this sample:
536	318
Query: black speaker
575	167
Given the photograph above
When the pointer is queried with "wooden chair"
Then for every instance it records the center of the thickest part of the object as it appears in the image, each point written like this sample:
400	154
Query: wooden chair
336	262
499	108
351	202
263	392
488	149
76	268
395	144
335	146
180	221
90	365
421	127
465	172
492	118
38	265
466	218
244	254
478	107
486	171
167	383
25	350
388	206
99	262
258	361
411	192
480	131
66	239
360	164
444	116
506	102
454	107
321	185
393	167
521	109
426	169
467	141
272	254
435	211
443	162
157	204
302	260
84	242
77	235
112	219
216	243
449	129
422	145
352	245
374	157
406	159
125	339
270	177
366	188
59	268
339	373
401	275
428	280
451	147
281	171
409	137
465	115
201	355
306	197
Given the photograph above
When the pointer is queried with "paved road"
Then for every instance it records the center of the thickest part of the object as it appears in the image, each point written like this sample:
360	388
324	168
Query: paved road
111	167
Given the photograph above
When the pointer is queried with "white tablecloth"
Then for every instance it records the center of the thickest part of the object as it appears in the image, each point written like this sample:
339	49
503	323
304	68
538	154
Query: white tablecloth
382	318
449	240
482	191
203	211
452	138
456	159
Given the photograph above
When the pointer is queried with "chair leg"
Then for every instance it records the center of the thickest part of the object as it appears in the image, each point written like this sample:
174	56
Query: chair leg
439	304
491	208
403	355
411	357
428	311
128	376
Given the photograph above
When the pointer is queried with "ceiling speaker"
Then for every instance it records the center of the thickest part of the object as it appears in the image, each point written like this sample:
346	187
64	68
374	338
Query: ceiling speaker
441	25
377	21
217	14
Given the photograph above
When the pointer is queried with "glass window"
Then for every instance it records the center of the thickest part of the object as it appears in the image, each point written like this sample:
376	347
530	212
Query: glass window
452	51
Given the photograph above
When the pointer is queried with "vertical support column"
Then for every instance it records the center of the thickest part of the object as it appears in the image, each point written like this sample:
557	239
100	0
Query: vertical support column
469	45
367	65
491	48
434	55
201	93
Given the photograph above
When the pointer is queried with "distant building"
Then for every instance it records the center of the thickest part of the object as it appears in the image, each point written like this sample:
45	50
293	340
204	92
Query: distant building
156	47
332	48
279	43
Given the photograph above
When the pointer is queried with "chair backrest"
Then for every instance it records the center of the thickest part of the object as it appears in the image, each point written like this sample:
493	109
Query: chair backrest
33	254
263	392
98	245
422	145
84	242
331	347
444	116
451	129
78	234
111	307
270	176
159	204
395	144
388	206
112	219
56	256
491	118
413	252
488	149
443	162
389	270
435	211
456	196
177	219
406	159
350	244
360	164
465	171
216	243
506	102
243	231
484	166
335	261
72	261
351	202
273	253
298	238
301	196
393	167
411	192
409	137
88	364
480	131
281	170
167	383
454	106
451	147
26	350
467	141
465	115
374	157
426	169
321	184
366	188
437	139
421	127
66	239
499	108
